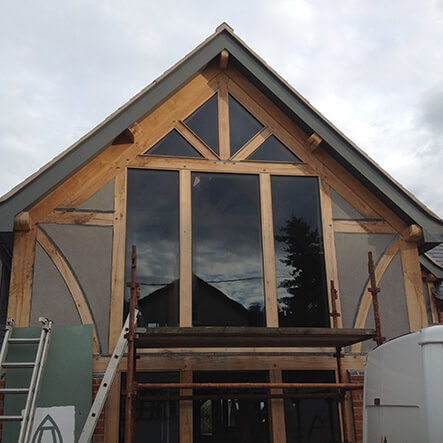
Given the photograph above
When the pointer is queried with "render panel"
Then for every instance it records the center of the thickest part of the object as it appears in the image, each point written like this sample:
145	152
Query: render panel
50	295
88	250
102	200
342	210
352	263
392	303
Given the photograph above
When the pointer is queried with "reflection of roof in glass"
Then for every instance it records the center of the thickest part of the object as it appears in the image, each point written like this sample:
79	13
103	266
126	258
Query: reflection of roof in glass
211	306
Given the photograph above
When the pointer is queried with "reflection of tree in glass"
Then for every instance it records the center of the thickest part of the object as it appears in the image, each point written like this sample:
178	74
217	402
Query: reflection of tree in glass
305	303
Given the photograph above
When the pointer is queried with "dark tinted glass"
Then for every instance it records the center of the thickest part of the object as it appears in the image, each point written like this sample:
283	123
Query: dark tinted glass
153	226
174	145
156	420
204	122
227	259
311	419
242	125
273	150
301	288
226	415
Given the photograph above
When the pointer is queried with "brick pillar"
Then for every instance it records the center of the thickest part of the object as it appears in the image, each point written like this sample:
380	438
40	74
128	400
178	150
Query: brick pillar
99	433
357	407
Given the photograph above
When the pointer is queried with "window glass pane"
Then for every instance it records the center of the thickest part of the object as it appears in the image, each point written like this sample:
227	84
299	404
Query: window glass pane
174	145
273	150
226	415
153	226
227	259
242	125
311	419
299	257
155	420
204	122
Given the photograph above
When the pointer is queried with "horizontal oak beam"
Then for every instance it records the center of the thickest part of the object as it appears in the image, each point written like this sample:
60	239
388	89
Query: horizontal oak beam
363	227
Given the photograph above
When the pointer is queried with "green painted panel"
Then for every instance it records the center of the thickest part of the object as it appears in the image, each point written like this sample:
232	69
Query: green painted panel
67	379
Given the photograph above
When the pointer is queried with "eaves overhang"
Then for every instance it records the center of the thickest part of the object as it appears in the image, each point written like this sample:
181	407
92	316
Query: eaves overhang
273	86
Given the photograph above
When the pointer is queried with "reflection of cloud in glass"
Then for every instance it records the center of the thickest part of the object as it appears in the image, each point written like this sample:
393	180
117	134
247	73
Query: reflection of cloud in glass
227	235
153	226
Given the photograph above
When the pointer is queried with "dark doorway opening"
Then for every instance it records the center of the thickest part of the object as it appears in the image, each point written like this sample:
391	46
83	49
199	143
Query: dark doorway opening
226	415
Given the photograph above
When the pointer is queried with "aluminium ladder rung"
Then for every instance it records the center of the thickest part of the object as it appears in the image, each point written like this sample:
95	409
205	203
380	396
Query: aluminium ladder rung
11	418
105	385
24	341
14	390
37	367
24	364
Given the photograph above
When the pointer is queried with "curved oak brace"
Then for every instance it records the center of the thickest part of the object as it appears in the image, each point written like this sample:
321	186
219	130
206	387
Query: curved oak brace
366	300
71	283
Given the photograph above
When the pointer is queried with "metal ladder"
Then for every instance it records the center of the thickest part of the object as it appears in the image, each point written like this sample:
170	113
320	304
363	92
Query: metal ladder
105	385
38	366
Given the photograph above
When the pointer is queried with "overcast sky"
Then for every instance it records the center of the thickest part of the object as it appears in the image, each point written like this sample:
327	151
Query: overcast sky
374	68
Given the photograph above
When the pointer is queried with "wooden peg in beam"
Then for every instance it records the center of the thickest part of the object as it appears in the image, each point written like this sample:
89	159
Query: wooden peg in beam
413	233
22	222
224	57
313	142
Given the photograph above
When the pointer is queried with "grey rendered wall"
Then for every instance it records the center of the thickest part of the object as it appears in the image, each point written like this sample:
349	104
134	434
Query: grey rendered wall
342	210
50	295
392	302
352	263
101	201
88	252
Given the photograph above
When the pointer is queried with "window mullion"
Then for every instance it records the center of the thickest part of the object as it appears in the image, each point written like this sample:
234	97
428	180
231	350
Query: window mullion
268	251
185	250
223	119
329	248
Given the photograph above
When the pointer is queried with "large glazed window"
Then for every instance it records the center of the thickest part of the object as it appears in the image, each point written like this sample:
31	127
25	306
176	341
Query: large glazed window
225	267
153	226
227	258
309	417
299	257
156	420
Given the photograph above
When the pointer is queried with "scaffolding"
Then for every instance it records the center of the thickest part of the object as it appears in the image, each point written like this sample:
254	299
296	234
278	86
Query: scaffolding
221	337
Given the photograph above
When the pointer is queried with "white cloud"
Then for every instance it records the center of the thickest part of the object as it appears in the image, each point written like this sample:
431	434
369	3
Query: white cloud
371	67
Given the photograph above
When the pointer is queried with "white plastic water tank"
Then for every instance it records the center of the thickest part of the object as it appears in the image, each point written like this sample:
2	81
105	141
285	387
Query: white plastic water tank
403	389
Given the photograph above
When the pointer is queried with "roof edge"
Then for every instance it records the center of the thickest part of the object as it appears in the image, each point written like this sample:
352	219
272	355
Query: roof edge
432	266
277	89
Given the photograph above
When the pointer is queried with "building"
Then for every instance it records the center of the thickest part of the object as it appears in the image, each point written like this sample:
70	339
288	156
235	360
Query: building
246	205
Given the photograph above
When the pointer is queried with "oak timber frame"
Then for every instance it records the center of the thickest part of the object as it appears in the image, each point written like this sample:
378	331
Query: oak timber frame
128	151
